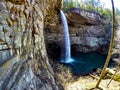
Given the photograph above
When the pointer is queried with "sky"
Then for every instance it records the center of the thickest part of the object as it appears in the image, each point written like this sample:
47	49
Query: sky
108	3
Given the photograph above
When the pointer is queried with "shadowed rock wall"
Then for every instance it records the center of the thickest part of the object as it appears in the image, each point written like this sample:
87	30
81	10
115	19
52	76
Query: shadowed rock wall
23	60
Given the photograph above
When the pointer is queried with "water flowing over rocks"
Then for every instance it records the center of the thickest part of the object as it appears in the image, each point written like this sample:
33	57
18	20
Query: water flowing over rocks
87	31
26	26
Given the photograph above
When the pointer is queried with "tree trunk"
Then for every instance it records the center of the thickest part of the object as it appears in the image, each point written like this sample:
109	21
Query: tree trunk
110	48
24	63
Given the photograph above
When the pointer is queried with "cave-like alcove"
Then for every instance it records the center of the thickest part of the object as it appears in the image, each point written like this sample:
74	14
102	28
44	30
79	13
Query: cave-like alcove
84	63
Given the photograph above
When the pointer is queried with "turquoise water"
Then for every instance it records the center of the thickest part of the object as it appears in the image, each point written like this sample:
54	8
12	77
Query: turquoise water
85	63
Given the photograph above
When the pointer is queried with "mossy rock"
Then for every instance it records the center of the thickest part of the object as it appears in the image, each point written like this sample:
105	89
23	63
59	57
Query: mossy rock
117	77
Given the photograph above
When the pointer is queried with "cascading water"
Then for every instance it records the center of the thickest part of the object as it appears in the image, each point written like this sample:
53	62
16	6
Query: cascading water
65	51
82	63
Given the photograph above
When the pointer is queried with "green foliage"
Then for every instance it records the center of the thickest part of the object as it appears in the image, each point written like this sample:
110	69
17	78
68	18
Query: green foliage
106	12
90	5
70	4
117	11
117	77
67	5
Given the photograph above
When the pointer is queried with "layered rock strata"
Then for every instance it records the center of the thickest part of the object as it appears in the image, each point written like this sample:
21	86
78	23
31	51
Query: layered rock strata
24	63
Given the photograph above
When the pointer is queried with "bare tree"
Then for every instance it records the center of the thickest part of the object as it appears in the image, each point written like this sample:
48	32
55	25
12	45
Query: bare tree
110	48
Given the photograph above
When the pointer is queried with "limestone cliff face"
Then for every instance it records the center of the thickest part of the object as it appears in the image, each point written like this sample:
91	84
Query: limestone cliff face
23	60
87	31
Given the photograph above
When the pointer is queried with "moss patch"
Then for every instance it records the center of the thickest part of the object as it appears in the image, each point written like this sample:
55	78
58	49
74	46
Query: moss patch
117	77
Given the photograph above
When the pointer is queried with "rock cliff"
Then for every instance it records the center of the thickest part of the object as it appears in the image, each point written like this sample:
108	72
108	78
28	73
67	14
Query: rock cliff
87	31
116	50
24	63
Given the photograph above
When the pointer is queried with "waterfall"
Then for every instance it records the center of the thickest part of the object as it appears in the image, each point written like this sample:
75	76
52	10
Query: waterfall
66	49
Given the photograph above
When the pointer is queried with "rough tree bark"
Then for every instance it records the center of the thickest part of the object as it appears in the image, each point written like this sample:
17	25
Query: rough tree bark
24	63
110	48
